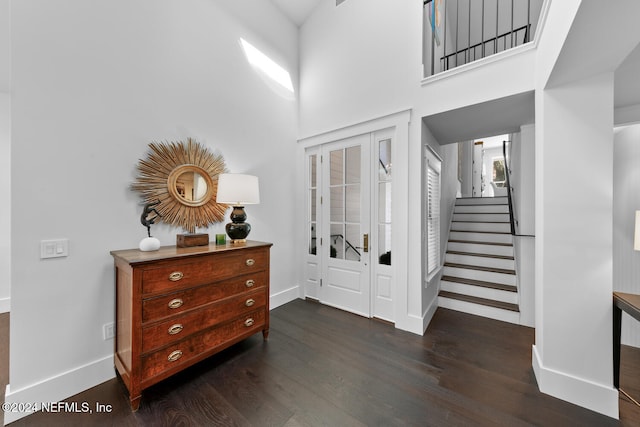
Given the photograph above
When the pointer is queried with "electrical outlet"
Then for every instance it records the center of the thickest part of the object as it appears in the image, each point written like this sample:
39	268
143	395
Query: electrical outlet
108	331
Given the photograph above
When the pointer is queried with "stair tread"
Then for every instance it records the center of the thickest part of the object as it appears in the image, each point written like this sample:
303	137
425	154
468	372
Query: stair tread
484	222
481	283
480	231
479	268
482	301
473	242
482	213
510	258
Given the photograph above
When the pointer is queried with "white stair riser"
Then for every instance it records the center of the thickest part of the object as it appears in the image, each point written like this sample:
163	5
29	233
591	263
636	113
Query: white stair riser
480	249
481	217
507	264
485	276
480	310
480	226
479	291
481	209
481	237
482	201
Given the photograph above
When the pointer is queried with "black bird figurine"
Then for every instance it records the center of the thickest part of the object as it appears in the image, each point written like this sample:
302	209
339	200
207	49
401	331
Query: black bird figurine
149	209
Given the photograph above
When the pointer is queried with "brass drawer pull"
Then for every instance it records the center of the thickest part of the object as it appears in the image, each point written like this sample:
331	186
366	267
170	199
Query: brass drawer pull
175	276
175	355
250	302
175	303
248	322
249	283
175	329
250	262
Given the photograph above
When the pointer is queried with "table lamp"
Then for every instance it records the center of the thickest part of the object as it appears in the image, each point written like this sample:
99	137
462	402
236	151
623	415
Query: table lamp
238	190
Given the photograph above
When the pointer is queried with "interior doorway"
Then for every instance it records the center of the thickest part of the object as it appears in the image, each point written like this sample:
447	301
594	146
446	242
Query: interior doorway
349	224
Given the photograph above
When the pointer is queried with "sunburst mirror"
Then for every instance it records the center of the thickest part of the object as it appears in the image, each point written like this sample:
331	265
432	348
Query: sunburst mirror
182	177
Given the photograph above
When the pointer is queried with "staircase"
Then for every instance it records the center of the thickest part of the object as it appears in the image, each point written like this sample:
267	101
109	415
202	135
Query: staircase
479	274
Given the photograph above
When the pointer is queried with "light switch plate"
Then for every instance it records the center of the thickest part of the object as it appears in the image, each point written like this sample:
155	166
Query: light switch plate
54	248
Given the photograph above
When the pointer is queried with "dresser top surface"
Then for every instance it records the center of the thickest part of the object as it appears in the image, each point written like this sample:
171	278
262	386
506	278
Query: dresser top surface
136	256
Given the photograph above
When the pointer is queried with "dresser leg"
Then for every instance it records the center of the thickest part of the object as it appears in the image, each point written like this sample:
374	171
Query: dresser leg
135	402
265	334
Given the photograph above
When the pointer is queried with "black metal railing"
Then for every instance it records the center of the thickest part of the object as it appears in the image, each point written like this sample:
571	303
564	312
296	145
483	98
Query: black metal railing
347	244
507	173
445	61
457	47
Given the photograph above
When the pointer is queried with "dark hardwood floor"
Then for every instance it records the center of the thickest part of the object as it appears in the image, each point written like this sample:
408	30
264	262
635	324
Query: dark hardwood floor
322	366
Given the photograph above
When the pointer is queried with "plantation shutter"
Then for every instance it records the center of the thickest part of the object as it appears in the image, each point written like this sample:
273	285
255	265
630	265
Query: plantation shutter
433	213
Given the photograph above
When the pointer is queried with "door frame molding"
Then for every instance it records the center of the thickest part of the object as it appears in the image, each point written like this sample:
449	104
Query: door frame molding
400	122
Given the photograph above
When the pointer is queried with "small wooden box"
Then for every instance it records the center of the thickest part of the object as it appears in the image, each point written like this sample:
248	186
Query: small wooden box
189	240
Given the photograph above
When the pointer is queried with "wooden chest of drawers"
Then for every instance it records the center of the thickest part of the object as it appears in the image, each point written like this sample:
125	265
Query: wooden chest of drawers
177	306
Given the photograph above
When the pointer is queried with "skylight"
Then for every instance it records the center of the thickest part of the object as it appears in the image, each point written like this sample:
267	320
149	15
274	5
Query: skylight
267	65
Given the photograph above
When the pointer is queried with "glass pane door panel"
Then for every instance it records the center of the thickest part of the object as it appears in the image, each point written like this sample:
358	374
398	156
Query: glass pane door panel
312	215
384	165
337	167
352	213
384	244
345	203
337	204
336	247
312	240
312	171
384	202
352	251
353	165
312	196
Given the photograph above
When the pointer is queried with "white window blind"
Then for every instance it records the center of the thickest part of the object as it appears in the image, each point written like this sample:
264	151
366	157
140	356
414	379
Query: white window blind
433	212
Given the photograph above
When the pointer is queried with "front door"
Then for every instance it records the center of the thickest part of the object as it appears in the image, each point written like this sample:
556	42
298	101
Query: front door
346	225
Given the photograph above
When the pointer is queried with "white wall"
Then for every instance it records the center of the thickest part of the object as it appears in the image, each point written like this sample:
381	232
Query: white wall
574	216
5	208
5	155
93	84
357	62
467	168
5	46
626	200
448	188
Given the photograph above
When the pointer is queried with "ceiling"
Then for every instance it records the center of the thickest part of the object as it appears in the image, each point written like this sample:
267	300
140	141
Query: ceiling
296	10
627	81
500	116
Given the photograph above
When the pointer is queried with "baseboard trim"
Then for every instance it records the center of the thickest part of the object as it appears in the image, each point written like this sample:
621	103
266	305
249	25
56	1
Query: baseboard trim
581	392
5	305
429	313
60	387
283	297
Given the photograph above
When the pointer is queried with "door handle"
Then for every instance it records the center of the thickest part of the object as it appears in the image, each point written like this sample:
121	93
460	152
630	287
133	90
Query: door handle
365	243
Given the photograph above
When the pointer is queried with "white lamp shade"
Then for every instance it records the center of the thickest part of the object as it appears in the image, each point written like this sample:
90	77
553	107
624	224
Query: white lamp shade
238	189
636	240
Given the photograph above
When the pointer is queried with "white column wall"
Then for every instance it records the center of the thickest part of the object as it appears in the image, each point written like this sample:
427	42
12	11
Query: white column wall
5	155
93	84
573	226
5	208
626	200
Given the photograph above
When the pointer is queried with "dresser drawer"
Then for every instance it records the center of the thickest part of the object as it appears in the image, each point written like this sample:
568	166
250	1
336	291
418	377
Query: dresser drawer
177	302
179	327
190	348
181	275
